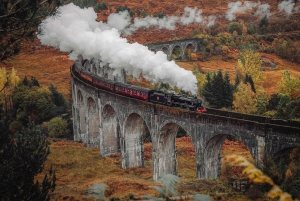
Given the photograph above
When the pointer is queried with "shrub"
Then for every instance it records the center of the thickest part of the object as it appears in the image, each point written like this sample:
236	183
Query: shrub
159	15
233	26
269	49
44	128
15	126
124	8
100	6
270	38
57	127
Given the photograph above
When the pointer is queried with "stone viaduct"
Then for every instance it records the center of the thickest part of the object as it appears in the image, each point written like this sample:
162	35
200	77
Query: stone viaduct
168	47
115	124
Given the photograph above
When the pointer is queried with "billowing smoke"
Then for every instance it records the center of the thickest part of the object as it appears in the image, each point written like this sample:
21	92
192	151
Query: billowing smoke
286	6
191	15
263	10
239	7
211	20
75	30
121	21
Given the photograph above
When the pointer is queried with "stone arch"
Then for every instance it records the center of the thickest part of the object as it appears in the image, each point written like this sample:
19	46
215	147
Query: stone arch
100	71
178	51
109	143
183	124
278	148
132	141
87	65
93	123
188	49
81	117
284	151
165	50
94	69
212	156
91	105
79	98
166	158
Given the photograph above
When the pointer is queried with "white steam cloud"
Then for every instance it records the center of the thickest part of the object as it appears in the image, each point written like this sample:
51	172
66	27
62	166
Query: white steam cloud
122	21
211	20
287	6
239	7
75	30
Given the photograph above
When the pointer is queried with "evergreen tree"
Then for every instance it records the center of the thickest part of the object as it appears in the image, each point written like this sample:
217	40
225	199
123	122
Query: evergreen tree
22	157
264	21
218	91
261	102
227	92
30	83
25	81
284	110
207	89
248	79
34	81
296	108
237	81
19	20
57	98
273	102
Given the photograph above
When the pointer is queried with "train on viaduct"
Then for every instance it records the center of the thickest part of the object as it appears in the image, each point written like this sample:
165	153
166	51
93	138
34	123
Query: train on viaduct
115	123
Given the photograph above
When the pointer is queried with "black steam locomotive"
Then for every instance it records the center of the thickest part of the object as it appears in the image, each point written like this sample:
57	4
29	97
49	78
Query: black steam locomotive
169	99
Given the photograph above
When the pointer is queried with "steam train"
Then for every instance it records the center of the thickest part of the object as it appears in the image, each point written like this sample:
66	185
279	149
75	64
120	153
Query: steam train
164	98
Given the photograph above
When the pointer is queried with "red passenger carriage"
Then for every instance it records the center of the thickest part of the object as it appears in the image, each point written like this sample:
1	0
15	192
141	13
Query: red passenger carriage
132	91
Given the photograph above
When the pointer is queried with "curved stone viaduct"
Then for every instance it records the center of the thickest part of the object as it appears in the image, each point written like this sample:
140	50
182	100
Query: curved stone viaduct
115	124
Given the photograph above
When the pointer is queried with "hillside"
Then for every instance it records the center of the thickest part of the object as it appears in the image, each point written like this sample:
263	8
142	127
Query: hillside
52	66
49	65
79	167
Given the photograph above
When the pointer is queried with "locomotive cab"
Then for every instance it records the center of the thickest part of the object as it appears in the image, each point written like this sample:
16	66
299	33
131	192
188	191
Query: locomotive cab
169	98
158	97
